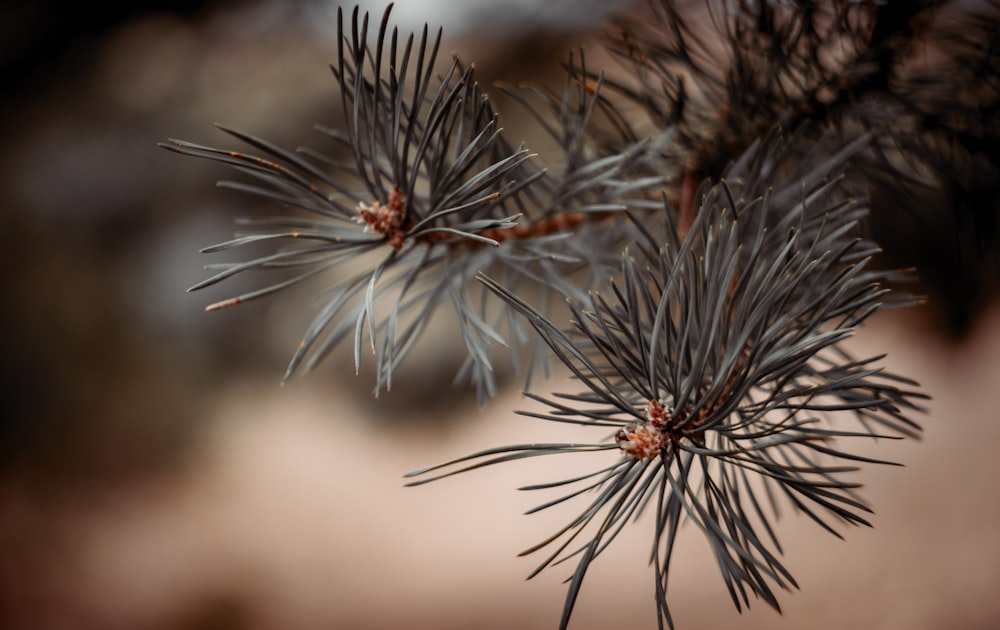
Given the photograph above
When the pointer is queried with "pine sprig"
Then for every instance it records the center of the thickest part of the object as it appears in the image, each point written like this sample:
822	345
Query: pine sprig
715	366
433	193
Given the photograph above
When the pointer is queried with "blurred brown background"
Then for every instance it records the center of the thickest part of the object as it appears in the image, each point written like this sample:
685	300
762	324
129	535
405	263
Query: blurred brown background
156	475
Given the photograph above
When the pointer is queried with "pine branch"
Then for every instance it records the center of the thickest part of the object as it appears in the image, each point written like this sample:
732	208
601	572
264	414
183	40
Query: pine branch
436	194
716	367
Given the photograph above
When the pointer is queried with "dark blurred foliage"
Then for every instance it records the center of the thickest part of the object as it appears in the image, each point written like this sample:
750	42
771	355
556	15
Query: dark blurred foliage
941	213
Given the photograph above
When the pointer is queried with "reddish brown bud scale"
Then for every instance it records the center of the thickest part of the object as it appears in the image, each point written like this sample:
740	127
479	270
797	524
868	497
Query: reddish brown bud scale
647	438
387	220
657	415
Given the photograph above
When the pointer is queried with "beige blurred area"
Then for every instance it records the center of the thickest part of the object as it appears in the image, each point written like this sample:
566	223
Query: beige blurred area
156	475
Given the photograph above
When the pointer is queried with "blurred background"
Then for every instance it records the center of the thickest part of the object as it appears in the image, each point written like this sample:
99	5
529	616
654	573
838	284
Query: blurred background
155	474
